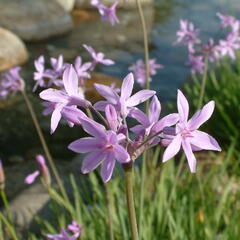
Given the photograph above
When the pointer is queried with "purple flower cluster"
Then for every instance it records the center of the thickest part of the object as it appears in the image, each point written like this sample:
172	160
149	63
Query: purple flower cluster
48	77
10	82
107	13
73	232
189	36
110	141
139	70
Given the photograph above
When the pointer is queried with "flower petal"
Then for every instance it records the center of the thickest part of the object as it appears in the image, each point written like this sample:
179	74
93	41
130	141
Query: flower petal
55	118
183	107
107	167
121	154
139	97
73	115
201	116
189	154
31	177
139	116
101	105
154	110
93	128
107	92
173	148
92	161
111	116
84	145
204	141
127	86
70	81
166	121
53	95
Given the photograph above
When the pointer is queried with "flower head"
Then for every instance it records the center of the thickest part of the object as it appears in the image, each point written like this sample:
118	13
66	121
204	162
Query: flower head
125	101
64	102
97	57
196	63
10	82
187	35
187	134
103	148
139	70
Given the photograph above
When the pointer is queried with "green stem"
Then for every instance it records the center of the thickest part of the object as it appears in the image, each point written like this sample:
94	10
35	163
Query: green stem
142	188
203	85
5	202
110	209
130	202
44	145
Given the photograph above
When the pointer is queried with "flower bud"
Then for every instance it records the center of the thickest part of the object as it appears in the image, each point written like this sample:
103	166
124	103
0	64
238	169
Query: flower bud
2	176
44	169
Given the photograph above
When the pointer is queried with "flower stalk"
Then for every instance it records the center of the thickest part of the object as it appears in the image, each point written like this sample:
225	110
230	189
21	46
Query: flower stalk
44	144
203	85
128	170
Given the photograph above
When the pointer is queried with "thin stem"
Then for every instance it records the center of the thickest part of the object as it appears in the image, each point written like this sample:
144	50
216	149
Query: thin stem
110	209
203	86
5	202
100	116
130	202
142	188
44	145
145	40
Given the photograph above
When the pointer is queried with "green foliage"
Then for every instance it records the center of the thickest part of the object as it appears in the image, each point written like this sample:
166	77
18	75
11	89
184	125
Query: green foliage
223	86
177	204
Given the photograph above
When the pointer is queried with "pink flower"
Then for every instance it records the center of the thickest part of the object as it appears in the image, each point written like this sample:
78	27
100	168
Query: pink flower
139	70
187	134
125	101
187	35
97	57
211	51
227	20
196	63
103	148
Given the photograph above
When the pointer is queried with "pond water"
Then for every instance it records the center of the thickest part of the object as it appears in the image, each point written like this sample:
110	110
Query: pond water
122	43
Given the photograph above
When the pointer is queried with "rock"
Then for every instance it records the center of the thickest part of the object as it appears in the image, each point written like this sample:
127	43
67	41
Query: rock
67	4
12	50
34	19
122	3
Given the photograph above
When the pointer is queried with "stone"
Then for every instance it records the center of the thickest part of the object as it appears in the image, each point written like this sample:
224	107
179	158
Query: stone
34	19
12	50
67	5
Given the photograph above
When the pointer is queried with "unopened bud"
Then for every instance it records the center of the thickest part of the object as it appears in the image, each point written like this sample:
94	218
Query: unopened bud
44	169
2	176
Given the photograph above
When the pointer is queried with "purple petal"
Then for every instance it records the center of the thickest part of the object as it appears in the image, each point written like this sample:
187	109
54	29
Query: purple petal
31	177
111	116
107	167
204	141
139	116
183	107
127	86
73	115
92	161
56	116
53	95
154	110
139	97
107	92
138	129
173	148
201	116
107	62
70	81
166	121
93	128
84	145
189	154
101	105
121	154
